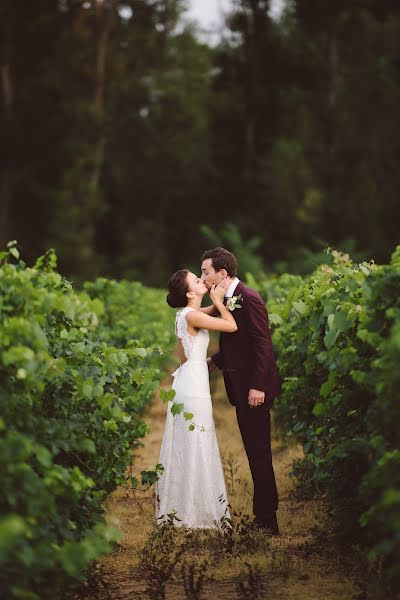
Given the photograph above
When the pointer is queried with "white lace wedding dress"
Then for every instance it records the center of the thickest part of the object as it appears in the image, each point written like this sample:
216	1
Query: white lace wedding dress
192	483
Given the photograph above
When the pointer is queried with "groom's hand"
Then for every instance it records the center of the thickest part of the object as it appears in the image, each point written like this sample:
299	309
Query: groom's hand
211	365
256	398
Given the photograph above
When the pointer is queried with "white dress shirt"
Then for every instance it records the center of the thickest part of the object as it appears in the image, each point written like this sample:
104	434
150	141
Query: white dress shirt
230	291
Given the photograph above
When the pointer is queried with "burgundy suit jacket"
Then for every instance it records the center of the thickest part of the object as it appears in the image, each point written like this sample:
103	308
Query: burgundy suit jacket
246	357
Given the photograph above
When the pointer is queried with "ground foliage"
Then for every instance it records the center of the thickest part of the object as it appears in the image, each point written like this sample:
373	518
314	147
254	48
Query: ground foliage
77	368
72	393
337	336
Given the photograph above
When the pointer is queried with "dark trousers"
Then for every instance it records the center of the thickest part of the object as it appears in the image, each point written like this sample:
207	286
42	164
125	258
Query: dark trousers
255	427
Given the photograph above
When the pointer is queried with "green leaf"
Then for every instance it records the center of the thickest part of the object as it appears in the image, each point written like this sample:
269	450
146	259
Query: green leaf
43	456
314	321
12	529
307	447
298	426
106	400
329	307
191	427
188	416
331	338
150	477
351	413
116	412
14	252
177	408
342	322
167	395
87	390
88	445
319	409
139	352
275	319
326	388
138	376
301	307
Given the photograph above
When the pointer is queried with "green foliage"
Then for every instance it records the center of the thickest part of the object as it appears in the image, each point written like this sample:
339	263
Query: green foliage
76	370
303	260
337	335
246	251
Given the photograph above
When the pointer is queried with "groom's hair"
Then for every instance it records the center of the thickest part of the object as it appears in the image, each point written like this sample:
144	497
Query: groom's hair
222	259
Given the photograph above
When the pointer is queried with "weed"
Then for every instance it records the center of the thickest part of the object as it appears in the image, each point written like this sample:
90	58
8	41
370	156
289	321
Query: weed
160	556
193	579
236	535
231	467
250	586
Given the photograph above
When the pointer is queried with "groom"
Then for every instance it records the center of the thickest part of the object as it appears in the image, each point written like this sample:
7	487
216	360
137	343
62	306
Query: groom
251	379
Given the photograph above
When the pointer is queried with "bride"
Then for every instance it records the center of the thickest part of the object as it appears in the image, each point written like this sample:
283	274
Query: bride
192	486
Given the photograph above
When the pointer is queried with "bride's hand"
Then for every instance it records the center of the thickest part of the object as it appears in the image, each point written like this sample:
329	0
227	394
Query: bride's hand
217	292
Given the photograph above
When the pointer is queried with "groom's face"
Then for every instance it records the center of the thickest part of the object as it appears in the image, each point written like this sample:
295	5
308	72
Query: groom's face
209	275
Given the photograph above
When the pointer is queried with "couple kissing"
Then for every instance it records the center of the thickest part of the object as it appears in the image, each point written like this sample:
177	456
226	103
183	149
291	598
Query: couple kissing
192	485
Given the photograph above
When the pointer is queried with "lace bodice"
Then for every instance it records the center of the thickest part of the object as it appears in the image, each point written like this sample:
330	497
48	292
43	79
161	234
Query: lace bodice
194	346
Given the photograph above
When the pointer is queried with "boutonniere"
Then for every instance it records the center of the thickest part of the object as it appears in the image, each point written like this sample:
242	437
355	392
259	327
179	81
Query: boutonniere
232	303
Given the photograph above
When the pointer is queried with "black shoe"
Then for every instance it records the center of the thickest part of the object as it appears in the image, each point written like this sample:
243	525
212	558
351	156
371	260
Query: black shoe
270	526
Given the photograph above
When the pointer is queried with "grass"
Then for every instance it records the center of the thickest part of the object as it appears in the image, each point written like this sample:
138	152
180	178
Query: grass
303	563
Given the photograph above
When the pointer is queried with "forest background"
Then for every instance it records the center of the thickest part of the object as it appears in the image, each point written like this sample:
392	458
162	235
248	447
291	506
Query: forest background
126	140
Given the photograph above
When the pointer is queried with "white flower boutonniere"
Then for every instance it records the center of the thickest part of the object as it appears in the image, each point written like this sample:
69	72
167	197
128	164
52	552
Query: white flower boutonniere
233	302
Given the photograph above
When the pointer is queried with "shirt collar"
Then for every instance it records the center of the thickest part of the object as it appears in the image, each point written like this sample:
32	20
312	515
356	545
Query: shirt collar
229	292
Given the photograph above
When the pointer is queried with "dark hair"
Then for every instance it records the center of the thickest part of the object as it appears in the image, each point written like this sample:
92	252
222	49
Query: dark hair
177	289
222	259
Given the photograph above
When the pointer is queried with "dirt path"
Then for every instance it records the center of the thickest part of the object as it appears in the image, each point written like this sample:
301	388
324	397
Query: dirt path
303	563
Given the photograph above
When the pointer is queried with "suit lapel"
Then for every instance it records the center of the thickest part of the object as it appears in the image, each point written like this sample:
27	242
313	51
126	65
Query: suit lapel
237	312
239	288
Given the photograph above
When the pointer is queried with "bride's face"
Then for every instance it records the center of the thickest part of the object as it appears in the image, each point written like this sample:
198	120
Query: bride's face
196	285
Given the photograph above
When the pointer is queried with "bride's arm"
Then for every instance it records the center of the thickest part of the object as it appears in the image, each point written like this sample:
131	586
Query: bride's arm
200	320
210	310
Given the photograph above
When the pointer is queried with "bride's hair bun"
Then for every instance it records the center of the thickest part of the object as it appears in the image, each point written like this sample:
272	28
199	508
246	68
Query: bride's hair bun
177	289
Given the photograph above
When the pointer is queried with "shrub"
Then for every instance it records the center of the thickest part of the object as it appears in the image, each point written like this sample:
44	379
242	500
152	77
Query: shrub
337	336
71	415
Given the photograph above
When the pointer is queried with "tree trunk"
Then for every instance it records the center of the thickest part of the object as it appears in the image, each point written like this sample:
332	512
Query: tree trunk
252	66
106	22
161	203
333	59
332	209
257	17
7	168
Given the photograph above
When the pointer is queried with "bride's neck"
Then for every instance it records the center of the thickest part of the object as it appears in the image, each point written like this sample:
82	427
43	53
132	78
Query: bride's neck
195	303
